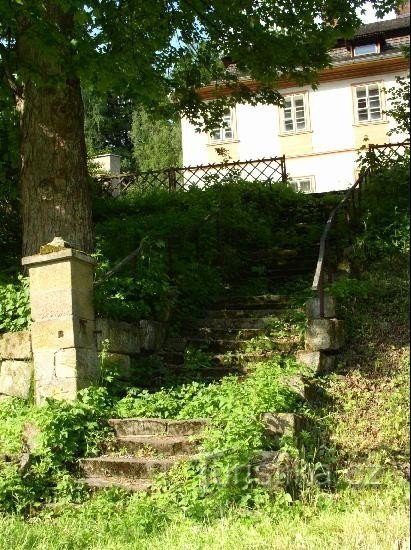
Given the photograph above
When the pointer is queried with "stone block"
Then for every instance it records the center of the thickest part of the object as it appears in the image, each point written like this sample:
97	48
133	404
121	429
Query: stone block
58	303
278	425
312	308
66	332
117	362
295	383
60	373
122	337
61	284
79	362
318	362
56	389
15	345
273	470
15	378
324	334
153	335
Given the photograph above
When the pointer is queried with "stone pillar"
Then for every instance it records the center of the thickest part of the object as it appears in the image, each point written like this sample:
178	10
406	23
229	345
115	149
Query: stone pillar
323	337
63	324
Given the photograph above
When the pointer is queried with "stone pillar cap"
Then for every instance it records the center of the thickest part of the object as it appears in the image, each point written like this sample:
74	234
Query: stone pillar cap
56	256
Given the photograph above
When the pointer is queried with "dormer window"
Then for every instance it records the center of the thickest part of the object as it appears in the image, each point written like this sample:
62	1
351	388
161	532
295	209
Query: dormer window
365	49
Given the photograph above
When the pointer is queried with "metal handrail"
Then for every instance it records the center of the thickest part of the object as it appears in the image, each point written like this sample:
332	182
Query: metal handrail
318	281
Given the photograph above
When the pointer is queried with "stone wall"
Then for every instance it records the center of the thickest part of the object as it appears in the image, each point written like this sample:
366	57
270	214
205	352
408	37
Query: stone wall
16	364
117	343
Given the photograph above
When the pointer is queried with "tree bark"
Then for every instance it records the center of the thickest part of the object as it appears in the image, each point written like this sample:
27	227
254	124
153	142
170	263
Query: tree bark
55	189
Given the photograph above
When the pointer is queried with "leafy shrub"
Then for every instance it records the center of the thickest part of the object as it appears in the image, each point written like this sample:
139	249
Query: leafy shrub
386	220
62	431
14	305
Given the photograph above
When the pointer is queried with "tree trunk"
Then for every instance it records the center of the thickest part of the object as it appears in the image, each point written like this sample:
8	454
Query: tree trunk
55	190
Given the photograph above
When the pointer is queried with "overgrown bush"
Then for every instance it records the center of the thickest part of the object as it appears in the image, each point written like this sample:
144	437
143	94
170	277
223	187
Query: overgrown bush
386	221
196	243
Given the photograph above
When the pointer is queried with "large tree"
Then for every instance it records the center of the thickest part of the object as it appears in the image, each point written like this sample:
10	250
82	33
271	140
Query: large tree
147	50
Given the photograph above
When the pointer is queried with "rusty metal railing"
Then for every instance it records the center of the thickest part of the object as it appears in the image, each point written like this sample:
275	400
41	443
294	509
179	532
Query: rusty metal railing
268	170
351	203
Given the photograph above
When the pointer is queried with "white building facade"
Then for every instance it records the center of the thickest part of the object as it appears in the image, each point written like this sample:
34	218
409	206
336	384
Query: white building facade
319	131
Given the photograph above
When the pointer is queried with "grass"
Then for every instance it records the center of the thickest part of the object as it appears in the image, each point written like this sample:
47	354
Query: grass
364	519
370	411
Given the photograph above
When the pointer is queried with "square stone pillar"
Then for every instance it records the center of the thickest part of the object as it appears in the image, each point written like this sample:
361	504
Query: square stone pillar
63	324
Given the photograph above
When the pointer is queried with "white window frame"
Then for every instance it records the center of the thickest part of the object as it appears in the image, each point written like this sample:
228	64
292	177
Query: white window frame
368	103
293	111
228	132
355	50
295	183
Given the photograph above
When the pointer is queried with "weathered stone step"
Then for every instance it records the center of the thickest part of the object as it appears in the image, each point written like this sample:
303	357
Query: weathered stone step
232	324
156	426
286	253
135	485
166	445
176	358
235	313
225	345
283	273
127	467
210	374
284	263
211	333
252	302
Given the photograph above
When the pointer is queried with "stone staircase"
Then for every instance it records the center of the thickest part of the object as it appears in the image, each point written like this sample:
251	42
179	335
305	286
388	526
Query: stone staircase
145	447
142	448
234	332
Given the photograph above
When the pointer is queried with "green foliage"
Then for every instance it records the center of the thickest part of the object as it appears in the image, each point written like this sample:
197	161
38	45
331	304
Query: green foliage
386	218
14	305
13	415
108	119
60	433
151	50
156	142
399	101
197	243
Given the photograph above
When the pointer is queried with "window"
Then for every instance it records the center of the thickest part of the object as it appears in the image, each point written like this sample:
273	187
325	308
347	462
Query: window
304	185
368	103
365	49
295	113
226	131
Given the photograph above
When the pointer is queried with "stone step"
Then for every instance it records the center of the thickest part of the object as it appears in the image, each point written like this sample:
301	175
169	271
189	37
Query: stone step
225	345
176	358
286	253
252	302
232	324
283	273
134	485
165	445
156	426
175	344
209	374
127	467
210	333
235	313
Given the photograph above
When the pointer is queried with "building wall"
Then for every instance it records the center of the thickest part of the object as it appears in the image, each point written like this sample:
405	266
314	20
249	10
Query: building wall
326	151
